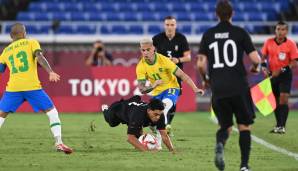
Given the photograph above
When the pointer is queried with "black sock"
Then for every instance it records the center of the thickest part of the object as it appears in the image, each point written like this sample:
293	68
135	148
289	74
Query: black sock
244	143
284	112
170	117
221	136
277	116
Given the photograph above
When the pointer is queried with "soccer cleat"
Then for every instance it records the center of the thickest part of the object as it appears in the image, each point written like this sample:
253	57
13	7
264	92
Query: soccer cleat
281	130
245	169
219	157
274	130
169	130
64	148
104	107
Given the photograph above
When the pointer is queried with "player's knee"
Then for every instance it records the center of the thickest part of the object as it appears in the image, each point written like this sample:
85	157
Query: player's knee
242	127
168	103
53	115
3	114
225	130
284	98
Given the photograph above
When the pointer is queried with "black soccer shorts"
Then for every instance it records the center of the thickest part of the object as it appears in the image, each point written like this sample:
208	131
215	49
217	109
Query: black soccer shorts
239	105
282	83
110	114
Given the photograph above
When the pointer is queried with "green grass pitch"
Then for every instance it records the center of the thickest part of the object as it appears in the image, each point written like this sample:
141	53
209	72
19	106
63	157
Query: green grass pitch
26	144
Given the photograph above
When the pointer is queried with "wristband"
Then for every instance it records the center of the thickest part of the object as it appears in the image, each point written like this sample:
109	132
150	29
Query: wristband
264	64
179	60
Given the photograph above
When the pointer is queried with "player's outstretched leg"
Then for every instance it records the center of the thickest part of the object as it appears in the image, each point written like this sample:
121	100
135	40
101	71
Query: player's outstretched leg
219	157
55	125
168	105
245	147
222	136
3	115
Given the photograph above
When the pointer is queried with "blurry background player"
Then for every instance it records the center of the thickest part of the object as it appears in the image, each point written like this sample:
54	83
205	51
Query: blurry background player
222	49
99	56
137	114
281	55
161	72
21	57
174	45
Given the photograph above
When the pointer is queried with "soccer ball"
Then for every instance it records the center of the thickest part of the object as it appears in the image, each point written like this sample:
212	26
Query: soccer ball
149	141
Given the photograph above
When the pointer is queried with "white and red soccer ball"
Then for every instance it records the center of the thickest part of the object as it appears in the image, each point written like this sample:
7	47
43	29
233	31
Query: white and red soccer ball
149	141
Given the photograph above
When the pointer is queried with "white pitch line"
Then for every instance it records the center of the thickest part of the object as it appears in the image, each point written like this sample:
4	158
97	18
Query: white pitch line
267	144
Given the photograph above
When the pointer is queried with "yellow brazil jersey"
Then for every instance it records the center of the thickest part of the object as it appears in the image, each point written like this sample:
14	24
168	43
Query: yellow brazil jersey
162	69
18	57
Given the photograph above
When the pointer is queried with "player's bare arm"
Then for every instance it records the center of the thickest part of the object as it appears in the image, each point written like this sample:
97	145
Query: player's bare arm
132	139
44	63
202	68
147	89
293	63
166	140
256	61
184	77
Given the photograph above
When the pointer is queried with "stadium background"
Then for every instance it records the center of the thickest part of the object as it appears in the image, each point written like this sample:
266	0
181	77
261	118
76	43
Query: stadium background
67	29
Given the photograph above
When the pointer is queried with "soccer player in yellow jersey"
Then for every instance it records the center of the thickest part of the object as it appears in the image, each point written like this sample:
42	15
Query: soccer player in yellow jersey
21	57
161	72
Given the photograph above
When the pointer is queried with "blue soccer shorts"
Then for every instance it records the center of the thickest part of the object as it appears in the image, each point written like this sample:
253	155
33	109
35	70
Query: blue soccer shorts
38	99
172	94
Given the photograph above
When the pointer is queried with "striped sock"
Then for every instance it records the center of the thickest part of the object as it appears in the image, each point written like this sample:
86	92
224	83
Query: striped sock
55	125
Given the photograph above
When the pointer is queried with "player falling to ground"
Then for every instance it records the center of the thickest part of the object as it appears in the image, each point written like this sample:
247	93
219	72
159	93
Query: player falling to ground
21	57
281	54
174	45
161	73
137	114
221	51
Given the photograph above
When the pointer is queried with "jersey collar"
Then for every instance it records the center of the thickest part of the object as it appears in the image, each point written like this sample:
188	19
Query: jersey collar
225	23
155	58
275	40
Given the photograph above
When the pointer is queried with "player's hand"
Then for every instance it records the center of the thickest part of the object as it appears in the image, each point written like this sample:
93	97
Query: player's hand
276	73
199	91
54	77
175	60
156	83
254	69
265	71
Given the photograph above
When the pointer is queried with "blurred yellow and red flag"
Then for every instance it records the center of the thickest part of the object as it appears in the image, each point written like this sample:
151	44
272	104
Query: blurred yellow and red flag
263	97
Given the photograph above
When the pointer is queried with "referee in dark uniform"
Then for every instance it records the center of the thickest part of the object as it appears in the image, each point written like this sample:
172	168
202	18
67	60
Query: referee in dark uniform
174	45
136	115
222	48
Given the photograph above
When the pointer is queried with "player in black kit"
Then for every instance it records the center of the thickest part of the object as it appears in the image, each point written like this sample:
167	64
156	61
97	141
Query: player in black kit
174	45
221	51
136	114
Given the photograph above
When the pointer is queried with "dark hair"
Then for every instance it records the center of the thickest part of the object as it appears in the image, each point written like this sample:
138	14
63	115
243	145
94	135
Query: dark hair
98	41
224	10
283	23
156	104
169	18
